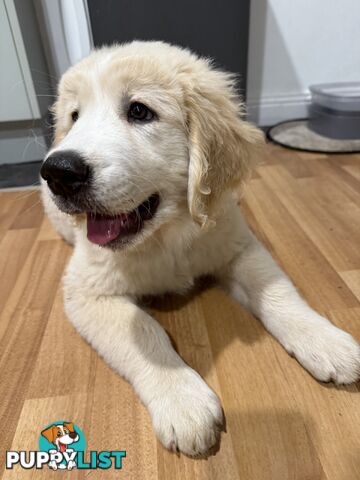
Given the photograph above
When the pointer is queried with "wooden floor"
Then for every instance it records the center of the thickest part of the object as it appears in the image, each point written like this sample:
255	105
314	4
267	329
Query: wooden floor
281	423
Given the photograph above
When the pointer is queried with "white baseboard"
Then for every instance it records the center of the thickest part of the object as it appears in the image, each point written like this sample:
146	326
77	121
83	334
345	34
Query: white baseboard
269	110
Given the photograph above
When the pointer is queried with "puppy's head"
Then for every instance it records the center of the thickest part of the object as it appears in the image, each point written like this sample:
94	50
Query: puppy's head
61	435
146	133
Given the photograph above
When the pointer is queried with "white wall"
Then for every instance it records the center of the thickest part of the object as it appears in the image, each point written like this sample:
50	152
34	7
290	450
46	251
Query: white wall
296	43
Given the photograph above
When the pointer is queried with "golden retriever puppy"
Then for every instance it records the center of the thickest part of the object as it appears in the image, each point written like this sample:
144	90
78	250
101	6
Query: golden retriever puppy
149	146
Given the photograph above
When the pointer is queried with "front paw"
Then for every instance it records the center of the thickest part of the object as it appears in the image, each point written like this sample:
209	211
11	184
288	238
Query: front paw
328	353
188	416
53	465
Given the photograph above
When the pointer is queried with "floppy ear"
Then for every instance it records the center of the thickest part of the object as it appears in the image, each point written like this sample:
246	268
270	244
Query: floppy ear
50	433
221	144
69	426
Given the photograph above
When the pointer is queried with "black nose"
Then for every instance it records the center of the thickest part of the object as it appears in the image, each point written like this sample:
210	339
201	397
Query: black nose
65	172
73	435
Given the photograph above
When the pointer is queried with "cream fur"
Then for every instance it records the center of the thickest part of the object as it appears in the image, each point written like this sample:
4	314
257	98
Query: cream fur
198	150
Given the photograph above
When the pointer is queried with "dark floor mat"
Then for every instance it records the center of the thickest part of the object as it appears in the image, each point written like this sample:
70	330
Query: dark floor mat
20	174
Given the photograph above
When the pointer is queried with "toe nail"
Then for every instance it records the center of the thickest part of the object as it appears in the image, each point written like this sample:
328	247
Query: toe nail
173	447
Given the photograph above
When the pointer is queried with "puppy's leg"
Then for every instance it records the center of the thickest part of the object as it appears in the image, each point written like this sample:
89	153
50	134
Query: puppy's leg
327	352
186	413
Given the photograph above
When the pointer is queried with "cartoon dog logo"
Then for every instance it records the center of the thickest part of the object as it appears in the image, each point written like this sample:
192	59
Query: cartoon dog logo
61	436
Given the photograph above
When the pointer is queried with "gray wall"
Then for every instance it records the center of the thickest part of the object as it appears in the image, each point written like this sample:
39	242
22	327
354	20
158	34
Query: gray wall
210	27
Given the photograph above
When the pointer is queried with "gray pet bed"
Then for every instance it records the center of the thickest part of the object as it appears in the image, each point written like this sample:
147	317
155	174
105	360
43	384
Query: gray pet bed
295	134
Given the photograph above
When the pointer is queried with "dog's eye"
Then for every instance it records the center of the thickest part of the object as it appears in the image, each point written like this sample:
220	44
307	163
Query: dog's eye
140	113
74	115
59	434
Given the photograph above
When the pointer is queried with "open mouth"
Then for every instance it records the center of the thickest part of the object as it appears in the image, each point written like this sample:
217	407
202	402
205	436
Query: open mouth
107	229
62	447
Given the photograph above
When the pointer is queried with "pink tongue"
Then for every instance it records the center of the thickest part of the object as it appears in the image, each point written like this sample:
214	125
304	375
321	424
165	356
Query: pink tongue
102	229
